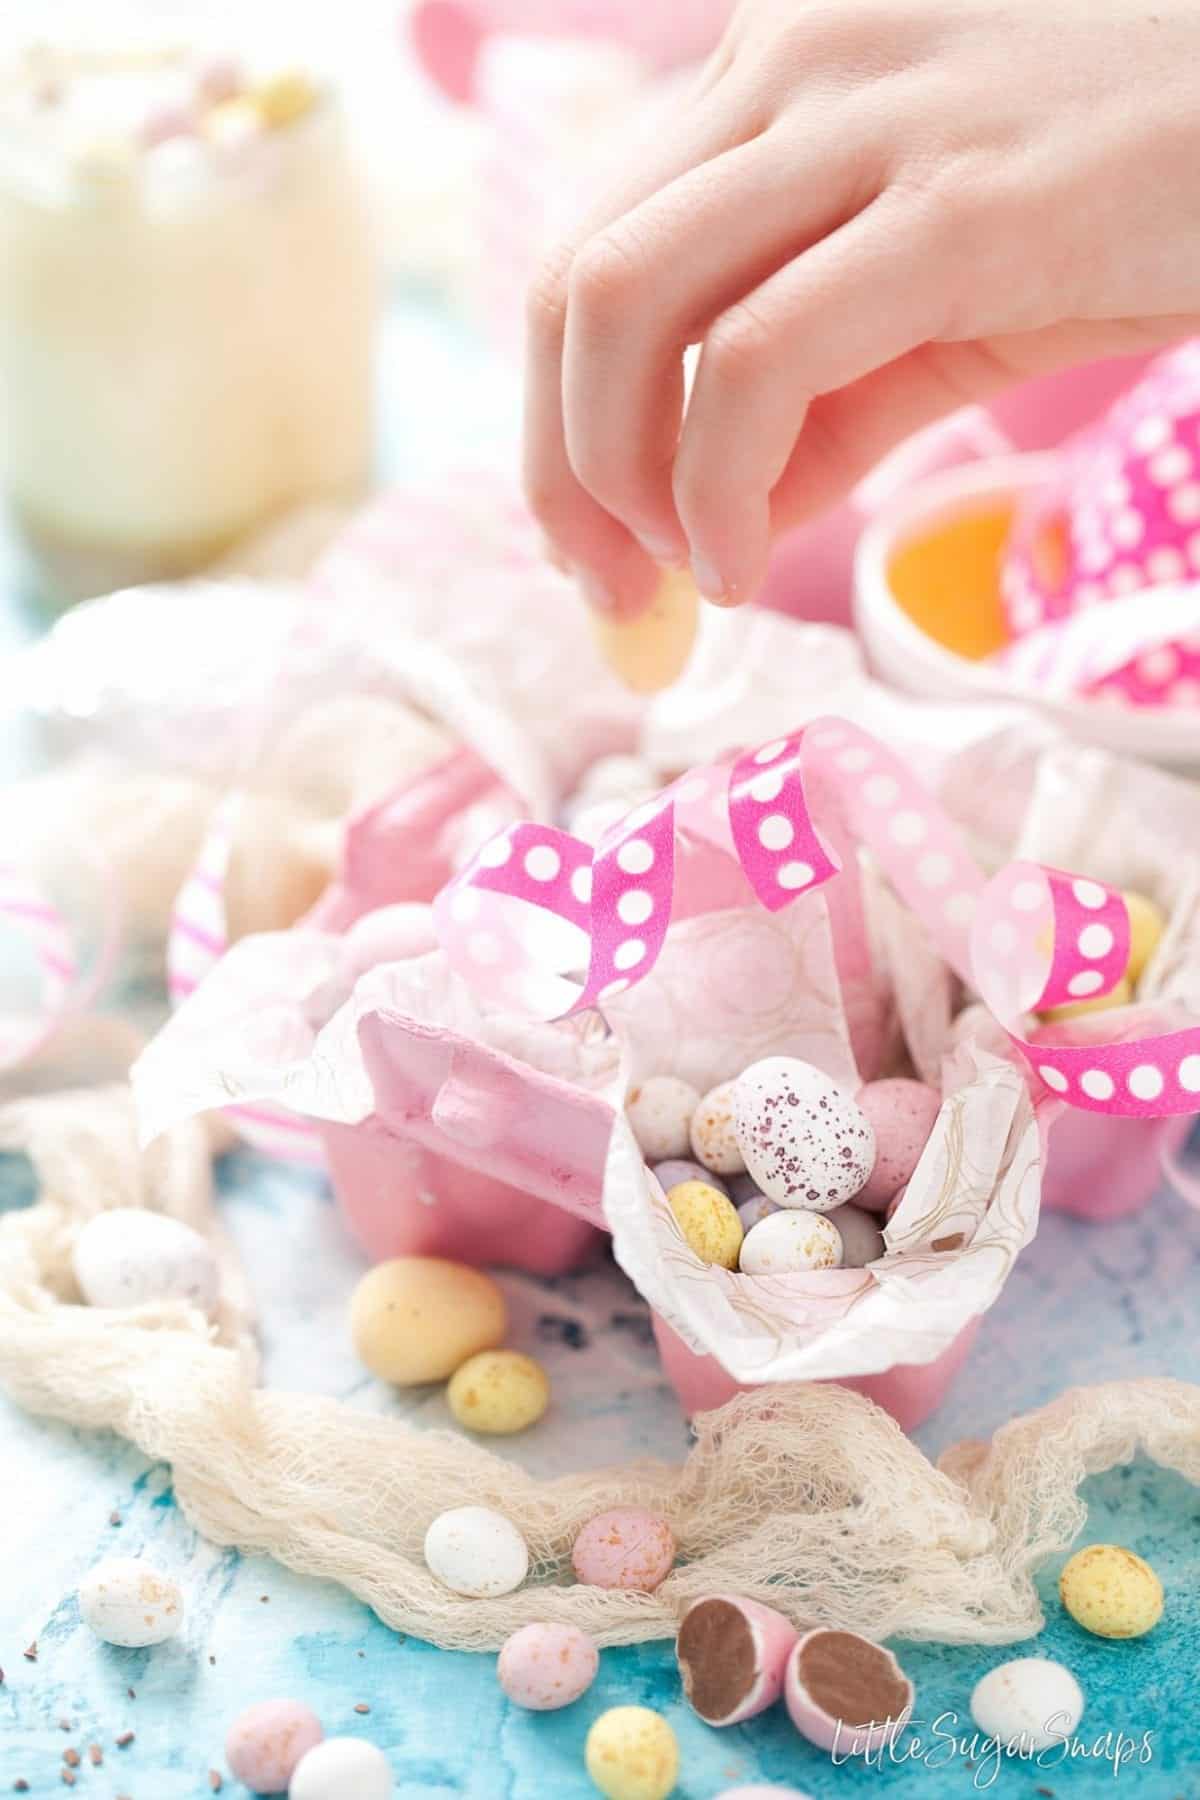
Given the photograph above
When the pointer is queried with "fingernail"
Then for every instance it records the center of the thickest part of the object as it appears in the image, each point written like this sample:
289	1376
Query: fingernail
707	578
666	554
597	595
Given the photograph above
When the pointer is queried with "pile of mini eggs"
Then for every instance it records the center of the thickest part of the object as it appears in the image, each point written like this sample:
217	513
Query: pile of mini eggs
780	1170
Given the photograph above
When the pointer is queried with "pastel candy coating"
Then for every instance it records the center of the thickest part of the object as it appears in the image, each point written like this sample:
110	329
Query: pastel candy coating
708	1221
631	1754
754	1210
339	1768
417	1318
544	1666
1031	1703
1111	1592
791	1242
862	1240
129	1602
627	1547
498	1392
714	1134
805	1141
671	1174
266	1742
831	1677
659	1111
902	1115
1146	926
130	1257
732	1654
651	650
476	1551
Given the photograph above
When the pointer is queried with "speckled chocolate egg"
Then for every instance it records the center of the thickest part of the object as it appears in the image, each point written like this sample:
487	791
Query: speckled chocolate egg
732	1654
660	1110
632	1754
417	1318
671	1174
342	1768
805	1141
130	1257
862	1240
129	1602
902	1115
476	1551
266	1742
1031	1703
846	1694
626	1547
790	1242
1111	1592
708	1221
714	1134
498	1392
545	1666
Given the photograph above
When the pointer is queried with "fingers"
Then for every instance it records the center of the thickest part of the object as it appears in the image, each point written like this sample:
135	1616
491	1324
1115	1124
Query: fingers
869	293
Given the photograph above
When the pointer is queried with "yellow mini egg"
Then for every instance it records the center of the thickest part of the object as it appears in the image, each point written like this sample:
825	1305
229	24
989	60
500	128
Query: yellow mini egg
632	1754
1146	926
498	1392
709	1221
1121	995
1111	1592
418	1318
650	651
285	97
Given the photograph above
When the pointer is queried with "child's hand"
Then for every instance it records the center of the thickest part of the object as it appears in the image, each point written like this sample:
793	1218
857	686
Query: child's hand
868	212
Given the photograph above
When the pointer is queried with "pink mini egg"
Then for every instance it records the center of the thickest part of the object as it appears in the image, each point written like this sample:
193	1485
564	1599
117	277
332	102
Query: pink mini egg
732	1654
846	1694
266	1741
543	1666
625	1548
671	1174
902	1115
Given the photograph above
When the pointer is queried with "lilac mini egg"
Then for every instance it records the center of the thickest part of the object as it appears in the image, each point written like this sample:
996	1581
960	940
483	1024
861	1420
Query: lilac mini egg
862	1240
755	1208
846	1694
625	1548
266	1741
902	1115
671	1173
802	1138
544	1666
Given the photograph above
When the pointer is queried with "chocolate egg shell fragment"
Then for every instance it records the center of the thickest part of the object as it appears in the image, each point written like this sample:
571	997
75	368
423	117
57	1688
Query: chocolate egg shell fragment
845	1693
803	1139
732	1655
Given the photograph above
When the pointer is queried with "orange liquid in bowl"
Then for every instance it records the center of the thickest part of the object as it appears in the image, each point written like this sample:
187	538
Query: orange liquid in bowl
947	580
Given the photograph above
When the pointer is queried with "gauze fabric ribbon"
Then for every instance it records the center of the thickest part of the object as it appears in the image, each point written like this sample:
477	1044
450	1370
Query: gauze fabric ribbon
540	923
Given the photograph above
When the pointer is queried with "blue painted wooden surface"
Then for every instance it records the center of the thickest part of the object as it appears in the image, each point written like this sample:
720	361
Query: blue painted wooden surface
1084	1304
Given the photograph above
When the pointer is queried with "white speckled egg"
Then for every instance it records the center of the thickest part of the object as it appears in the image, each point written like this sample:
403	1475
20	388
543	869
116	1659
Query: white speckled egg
129	1257
476	1551
131	1603
806	1142
789	1242
1030	1703
339	1768
714	1137
660	1111
862	1240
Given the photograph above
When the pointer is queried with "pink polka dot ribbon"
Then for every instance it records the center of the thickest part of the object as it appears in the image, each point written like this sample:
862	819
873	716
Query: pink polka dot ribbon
540	923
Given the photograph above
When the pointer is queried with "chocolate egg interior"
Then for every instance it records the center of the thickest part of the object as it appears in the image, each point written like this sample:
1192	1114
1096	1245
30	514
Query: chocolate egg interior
717	1658
851	1679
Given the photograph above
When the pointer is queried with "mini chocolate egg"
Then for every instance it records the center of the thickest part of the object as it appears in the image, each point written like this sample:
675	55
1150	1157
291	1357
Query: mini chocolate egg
732	1654
791	1242
714	1136
671	1174
1121	995
1030	1704
753	1210
544	1666
708	1221
805	1141
626	1547
1111	1592
476	1551
498	1392
659	1111
902	1115
862	1240
342	1768
265	1743
417	1318
1146	926
130	1257
129	1602
846	1694
650	650
631	1754
285	97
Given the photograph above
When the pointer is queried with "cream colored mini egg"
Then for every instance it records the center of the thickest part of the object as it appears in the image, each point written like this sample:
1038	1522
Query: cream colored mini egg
790	1242
342	1768
417	1318
806	1142
130	1603
632	1754
714	1135
1030	1703
1146	926
285	97
709	1221
498	1392
130	1257
651	650
1111	1592
660	1110
476	1551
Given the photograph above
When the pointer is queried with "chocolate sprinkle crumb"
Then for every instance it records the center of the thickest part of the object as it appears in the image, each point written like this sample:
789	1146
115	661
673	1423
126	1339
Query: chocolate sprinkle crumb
64	1724
264	1598
20	1785
214	1781
362	1707
114	1518
126	1737
71	1757
131	1693
95	1755
30	1655
69	1777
